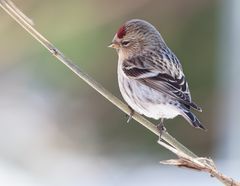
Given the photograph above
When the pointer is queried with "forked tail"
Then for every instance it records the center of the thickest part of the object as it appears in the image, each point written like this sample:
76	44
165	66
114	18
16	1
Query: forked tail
192	119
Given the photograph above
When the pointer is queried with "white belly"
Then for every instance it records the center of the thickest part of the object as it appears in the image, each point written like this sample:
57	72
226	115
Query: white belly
146	100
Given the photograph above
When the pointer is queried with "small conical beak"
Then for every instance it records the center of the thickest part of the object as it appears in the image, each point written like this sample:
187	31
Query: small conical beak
114	45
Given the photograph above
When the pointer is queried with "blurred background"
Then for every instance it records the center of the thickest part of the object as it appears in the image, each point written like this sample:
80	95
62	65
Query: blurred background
55	130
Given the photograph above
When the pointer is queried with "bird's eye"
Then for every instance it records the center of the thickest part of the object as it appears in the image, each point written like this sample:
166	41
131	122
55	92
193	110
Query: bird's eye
125	43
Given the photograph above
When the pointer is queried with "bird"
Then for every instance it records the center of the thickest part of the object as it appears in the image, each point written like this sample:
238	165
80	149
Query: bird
150	76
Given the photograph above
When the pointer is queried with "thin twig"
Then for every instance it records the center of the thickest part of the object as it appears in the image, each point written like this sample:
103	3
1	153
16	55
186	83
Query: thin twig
186	157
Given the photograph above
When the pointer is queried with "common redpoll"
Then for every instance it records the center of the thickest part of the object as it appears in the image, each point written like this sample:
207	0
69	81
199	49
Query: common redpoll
150	76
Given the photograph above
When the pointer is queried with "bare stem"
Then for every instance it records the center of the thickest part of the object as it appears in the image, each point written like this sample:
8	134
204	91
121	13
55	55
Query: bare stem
168	141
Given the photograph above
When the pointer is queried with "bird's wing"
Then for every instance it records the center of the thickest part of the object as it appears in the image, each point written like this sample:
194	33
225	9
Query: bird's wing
161	74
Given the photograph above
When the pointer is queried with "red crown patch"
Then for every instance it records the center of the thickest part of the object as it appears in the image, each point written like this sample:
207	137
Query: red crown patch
121	32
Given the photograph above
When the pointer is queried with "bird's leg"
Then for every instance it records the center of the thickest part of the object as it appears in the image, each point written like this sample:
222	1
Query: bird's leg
161	128
130	115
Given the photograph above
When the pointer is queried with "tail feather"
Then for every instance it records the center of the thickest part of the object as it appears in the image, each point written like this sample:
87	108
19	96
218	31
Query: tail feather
194	105
192	119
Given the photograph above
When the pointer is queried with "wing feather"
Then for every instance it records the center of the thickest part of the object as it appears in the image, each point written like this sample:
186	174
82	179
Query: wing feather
164	76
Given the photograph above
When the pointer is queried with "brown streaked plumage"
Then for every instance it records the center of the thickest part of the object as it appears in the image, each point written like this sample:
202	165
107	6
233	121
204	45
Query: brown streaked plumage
150	76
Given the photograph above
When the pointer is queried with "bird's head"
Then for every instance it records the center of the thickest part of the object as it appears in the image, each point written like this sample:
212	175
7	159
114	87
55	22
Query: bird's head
136	36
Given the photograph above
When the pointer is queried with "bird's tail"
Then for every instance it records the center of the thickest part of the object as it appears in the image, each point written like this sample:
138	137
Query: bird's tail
192	119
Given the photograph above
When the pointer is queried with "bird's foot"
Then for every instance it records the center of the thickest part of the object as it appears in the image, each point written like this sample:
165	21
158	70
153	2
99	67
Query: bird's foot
130	115
161	129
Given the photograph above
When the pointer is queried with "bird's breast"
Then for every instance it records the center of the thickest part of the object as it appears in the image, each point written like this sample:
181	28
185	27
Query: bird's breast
144	99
